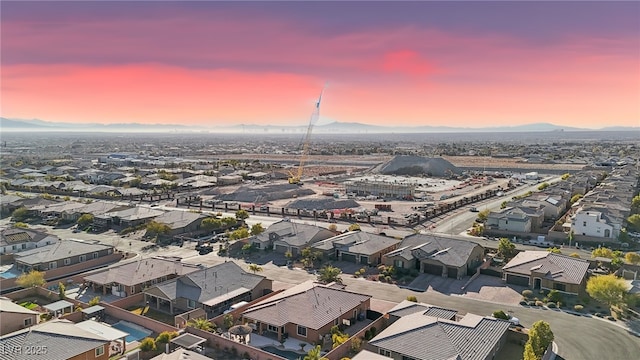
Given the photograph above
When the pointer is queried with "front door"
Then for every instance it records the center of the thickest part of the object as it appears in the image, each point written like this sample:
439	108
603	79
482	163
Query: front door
536	283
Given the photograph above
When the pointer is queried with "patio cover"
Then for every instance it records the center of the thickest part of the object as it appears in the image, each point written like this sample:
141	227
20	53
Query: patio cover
58	306
92	309
226	296
188	341
105	331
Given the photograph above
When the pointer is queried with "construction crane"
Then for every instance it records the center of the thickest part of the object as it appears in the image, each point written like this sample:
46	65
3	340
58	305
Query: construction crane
295	178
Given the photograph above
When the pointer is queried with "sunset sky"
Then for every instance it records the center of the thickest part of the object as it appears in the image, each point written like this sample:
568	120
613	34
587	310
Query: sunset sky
463	64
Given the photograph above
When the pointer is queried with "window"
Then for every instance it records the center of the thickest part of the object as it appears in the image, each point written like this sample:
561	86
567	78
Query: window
14	247
99	350
272	328
24	246
560	287
302	331
191	304
95	255
384	352
82	258
133	290
67	261
584	223
28	322
53	265
398	263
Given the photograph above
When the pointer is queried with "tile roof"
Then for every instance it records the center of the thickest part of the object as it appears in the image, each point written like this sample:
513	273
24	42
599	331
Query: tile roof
179	219
8	306
556	267
140	271
425	337
453	252
312	307
60	250
62	340
360	242
216	282
15	235
294	234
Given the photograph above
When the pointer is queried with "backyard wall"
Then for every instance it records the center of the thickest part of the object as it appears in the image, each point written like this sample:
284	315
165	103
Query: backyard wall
345	348
121	314
127	302
218	342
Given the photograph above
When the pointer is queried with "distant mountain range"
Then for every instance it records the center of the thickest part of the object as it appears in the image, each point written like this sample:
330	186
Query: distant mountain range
334	127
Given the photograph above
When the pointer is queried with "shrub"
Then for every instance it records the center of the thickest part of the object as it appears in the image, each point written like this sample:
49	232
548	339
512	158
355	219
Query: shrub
367	335
527	293
531	303
551	305
412	298
147	344
539	303
578	308
374	331
166	336
499	314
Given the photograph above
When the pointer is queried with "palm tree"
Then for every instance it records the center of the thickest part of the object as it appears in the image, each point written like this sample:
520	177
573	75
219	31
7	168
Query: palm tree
201	323
255	268
329	274
314	354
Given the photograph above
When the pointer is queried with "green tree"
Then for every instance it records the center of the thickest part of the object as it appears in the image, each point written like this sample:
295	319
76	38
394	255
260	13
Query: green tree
635	204
21	225
148	344
157	228
61	291
632	258
554	250
228	321
228	221
211	223
256	229
239	234
503	204
329	274
333	227
354	227
543	186
506	248
94	301
602	252
634	222
540	337
499	314
575	198
166	336
565	176
575	255
20	214
314	354
85	220
608	289
412	298
33	278
255	268
484	215
201	323
242	214
529	354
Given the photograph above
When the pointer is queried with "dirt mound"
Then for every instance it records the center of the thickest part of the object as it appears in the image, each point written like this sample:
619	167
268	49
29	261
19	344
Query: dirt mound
263	194
416	165
322	204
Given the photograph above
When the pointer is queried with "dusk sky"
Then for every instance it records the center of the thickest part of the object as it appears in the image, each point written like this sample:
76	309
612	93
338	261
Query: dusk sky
463	64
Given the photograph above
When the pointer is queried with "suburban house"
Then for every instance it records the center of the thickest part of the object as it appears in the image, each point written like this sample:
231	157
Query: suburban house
63	210
15	317
286	236
358	247
15	239
181	222
552	206
546	270
307	311
95	208
447	257
213	289
511	218
422	334
596	223
55	339
126	218
133	277
62	253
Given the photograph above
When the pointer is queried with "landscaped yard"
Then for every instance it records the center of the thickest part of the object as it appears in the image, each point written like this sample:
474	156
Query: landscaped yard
29	305
153	314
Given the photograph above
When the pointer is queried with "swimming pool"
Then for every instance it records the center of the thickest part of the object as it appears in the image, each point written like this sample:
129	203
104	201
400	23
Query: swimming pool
135	332
291	355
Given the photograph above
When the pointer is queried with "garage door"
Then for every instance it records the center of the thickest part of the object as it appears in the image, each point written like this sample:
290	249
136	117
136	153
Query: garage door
517	280
452	272
433	269
348	257
281	249
364	260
